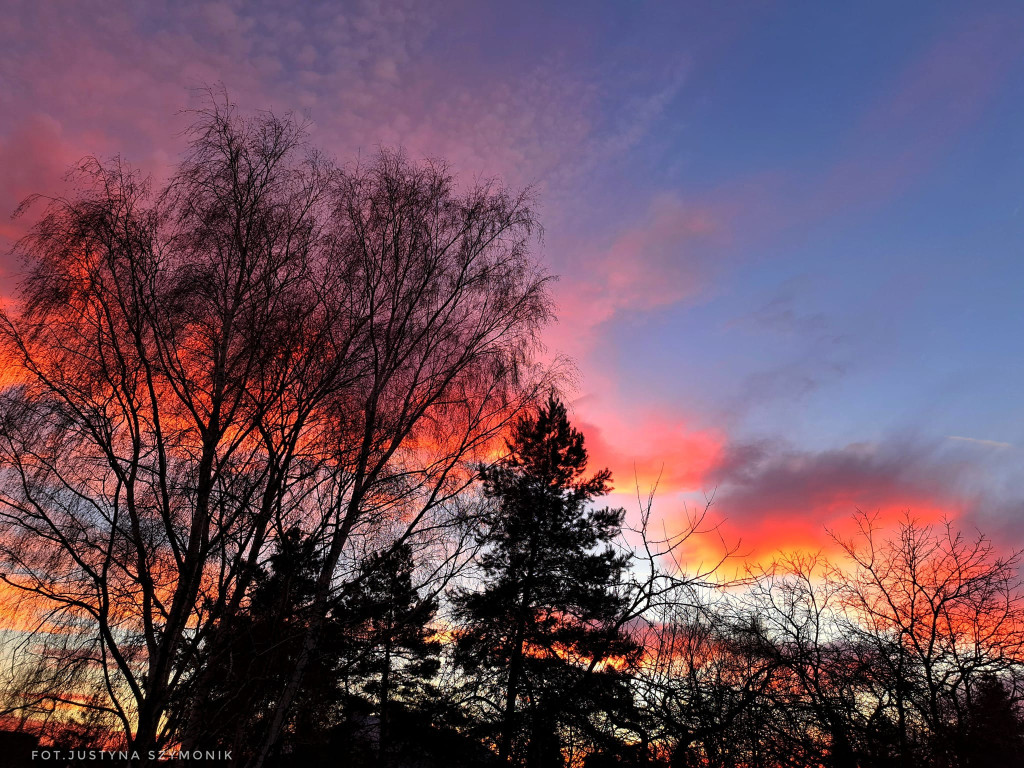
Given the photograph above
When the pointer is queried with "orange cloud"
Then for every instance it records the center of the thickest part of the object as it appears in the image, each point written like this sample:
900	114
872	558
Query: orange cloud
772	499
663	450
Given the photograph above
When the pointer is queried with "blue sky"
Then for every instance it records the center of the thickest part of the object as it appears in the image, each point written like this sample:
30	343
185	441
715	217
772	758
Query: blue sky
789	235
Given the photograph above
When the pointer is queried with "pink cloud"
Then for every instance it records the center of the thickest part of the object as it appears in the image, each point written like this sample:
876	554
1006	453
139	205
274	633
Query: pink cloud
34	158
656	261
647	449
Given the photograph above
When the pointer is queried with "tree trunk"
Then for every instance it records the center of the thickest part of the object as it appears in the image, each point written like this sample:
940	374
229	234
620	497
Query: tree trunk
511	693
385	694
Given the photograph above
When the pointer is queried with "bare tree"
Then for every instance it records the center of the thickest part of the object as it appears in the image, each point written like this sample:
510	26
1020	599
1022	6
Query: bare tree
268	341
903	651
820	669
691	679
943	613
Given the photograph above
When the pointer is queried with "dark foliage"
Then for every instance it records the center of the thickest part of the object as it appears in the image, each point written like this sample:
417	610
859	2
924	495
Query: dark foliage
238	677
539	637
385	645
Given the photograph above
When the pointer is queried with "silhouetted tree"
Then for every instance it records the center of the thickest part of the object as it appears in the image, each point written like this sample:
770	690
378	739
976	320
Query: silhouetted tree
993	727
906	652
702	689
236	679
798	604
268	340
542	635
940	612
387	646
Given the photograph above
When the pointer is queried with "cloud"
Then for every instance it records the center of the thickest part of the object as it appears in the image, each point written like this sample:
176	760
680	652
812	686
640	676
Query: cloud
658	260
644	450
34	158
941	93
767	477
777	497
977	441
807	351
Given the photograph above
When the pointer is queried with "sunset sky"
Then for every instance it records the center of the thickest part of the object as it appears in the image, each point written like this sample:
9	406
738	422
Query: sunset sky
790	236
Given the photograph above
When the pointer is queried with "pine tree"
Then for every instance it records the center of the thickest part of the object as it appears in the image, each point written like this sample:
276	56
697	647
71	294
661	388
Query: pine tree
540	634
238	679
388	645
993	732
377	647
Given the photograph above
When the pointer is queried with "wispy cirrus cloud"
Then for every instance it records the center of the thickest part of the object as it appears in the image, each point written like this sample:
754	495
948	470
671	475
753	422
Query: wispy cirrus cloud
940	94
979	441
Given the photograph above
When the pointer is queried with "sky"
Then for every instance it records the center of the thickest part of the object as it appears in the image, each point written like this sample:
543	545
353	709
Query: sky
788	236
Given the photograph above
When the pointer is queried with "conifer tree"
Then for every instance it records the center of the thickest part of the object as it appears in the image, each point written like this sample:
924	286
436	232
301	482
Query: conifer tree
238	679
539	636
378	648
388	644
